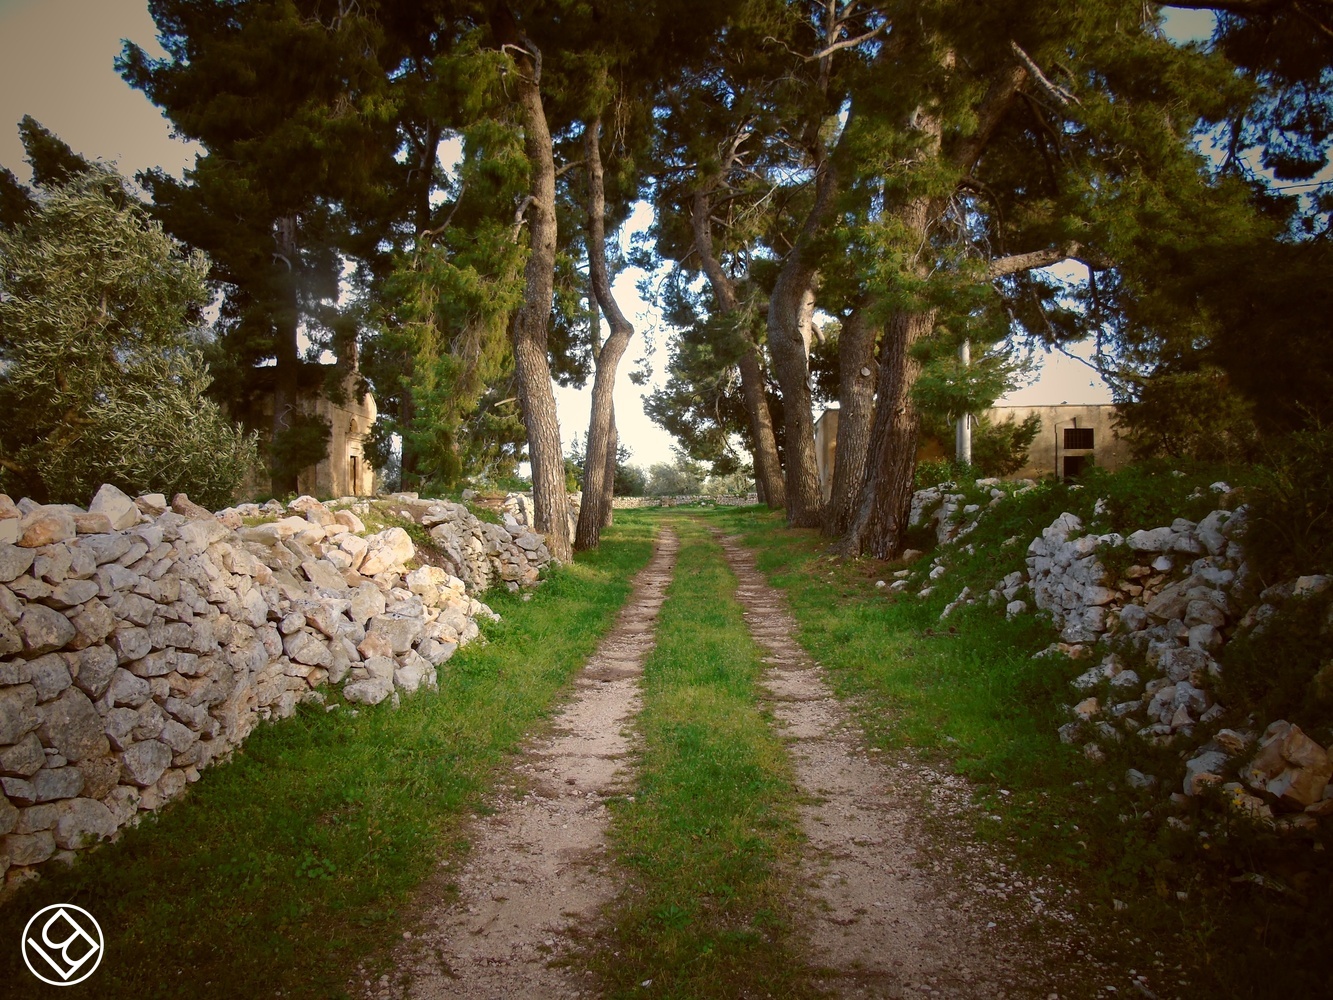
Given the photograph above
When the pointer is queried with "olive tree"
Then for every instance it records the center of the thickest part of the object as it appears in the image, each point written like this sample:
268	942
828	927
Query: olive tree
99	376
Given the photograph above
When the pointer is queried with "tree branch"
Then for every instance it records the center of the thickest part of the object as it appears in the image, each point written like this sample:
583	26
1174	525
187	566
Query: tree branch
1015	263
1056	93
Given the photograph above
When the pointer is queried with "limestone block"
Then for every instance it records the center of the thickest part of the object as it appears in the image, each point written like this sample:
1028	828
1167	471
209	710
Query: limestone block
370	691
52	783
72	725
126	689
44	630
18	715
29	849
99	776
83	822
46	526
143	763
49	675
24	759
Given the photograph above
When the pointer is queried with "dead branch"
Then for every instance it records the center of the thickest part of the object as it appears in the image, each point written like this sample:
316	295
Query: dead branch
1055	92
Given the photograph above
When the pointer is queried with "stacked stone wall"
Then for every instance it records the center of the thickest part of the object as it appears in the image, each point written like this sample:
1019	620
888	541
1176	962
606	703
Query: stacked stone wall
141	641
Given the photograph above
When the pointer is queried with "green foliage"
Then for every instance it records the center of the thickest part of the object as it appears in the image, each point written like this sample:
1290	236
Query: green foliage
1002	449
681	478
302	443
1192	415
1290	530
1274	669
97	306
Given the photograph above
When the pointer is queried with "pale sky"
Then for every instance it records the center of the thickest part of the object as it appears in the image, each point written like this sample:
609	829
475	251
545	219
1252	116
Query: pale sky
56	63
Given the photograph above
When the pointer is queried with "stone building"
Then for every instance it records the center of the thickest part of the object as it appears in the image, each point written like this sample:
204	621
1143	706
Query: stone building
1072	437
345	471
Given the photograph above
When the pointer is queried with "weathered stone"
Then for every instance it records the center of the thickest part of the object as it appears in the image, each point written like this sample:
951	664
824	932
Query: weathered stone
323	574
14	561
367	602
1203	769
24	759
400	631
350	521
92	622
52	783
436	651
119	724
71	725
99	776
82	823
126	689
178	736
18	715
46	526
53	564
92	524
143	763
303	647
370	691
72	593
119	509
19	791
413	672
131	643
387	550
49	675
184	506
157	664
9	816
197	536
10	643
29	849
44	630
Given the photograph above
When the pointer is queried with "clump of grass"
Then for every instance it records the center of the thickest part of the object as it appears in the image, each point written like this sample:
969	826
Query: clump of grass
286	867
712	823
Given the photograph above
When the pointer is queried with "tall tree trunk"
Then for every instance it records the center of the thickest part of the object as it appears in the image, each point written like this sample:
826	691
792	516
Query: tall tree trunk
789	310
767	467
528	328
595	501
856	411
286	374
609	492
880	525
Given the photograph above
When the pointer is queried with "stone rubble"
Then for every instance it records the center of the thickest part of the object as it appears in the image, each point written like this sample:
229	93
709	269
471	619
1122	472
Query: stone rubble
142	639
1178	594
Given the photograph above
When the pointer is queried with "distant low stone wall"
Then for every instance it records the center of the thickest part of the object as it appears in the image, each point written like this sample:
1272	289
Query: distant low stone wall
142	641
518	506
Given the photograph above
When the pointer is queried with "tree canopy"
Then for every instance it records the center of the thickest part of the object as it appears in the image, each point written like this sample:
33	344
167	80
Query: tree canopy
844	194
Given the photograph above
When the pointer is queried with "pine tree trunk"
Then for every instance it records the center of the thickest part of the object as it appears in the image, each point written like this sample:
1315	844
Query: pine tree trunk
600	437
609	492
528	328
856	412
788	341
767	467
286	374
880	526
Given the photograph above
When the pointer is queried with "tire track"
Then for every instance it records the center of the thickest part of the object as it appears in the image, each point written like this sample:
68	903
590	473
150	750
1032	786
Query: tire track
879	926
537	875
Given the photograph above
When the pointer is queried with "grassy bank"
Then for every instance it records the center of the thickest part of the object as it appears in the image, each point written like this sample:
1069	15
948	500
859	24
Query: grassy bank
286	867
966	691
708	833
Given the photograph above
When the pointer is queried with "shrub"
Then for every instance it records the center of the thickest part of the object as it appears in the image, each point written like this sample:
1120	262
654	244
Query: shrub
97	370
1291	508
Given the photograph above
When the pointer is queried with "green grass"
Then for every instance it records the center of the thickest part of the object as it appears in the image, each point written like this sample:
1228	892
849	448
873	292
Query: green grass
710	833
284	869
966	692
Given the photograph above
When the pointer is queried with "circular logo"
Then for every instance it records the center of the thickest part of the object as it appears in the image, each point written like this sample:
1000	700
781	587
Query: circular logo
62	944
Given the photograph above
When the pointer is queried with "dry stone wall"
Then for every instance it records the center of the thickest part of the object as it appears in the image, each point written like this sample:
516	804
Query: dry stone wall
1155	625
141	641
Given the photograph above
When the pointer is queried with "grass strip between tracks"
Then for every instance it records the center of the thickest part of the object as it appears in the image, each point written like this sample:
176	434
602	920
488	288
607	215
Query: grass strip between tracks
285	868
708	834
